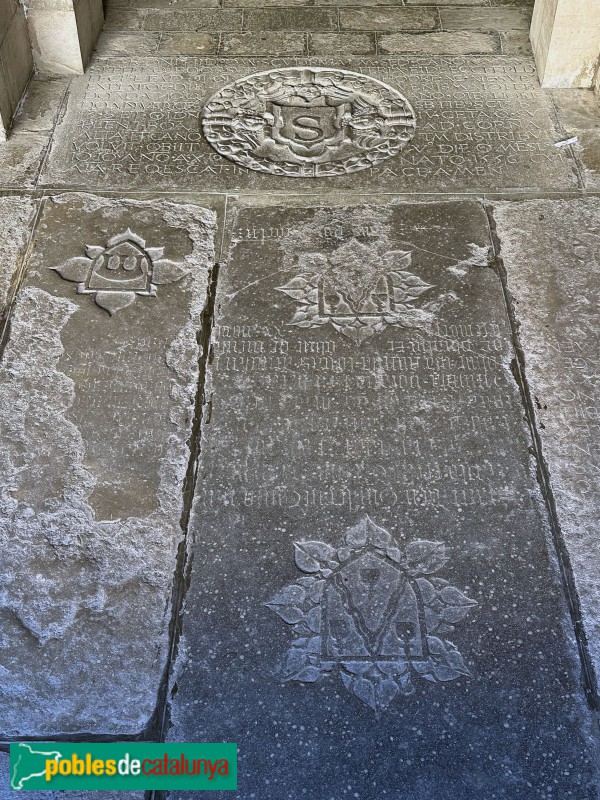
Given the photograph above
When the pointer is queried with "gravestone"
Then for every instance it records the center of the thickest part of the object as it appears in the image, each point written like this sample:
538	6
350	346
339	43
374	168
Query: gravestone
481	123
551	251
374	608
98	386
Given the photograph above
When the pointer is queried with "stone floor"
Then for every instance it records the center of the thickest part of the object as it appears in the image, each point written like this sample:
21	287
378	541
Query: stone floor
319	473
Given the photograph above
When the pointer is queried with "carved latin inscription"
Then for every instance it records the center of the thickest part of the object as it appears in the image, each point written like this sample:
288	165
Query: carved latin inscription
308	121
117	273
367	610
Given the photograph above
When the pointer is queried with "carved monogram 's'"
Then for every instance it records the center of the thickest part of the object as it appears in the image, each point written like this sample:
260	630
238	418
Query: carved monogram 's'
308	121
366	610
115	274
359	291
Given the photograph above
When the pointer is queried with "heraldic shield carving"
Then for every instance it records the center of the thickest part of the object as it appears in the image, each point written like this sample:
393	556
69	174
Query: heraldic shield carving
366	610
116	274
308	121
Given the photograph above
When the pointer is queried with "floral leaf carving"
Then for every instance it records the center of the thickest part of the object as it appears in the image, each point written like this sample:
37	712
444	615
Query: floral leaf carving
165	271
75	269
114	301
423	557
408	287
329	607
314	556
293	594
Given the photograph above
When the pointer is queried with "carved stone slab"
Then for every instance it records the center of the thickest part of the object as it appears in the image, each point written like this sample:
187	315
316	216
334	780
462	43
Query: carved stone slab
372	587
17	215
551	251
308	122
97	391
482	123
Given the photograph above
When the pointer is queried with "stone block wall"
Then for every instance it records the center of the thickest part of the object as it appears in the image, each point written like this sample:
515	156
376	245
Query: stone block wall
16	64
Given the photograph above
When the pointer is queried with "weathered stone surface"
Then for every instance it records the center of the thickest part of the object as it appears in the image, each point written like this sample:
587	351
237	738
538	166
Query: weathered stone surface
17	214
551	251
482	122
123	19
485	19
341	43
128	44
41	105
188	43
221	20
97	392
579	114
295	19
25	795
20	160
414	20
167	4
22	155
263	43
443	42
515	43
365	497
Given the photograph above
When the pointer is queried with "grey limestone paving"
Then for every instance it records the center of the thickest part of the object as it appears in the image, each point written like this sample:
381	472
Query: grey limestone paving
98	386
551	251
21	157
482	123
374	608
17	214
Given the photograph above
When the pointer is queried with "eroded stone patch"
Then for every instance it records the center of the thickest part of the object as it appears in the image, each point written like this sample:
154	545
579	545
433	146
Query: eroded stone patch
96	417
18	215
551	251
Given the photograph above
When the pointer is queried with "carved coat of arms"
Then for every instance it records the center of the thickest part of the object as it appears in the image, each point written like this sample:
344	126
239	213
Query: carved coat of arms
371	611
308	121
125	268
359	291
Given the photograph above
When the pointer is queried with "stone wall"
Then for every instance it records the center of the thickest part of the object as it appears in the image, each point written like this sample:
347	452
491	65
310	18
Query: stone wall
15	61
63	33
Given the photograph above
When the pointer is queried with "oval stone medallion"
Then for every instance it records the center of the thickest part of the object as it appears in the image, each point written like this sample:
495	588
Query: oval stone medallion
308	121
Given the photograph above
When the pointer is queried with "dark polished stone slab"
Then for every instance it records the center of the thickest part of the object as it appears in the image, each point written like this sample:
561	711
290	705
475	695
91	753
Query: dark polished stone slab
482	123
551	251
373	609
97	401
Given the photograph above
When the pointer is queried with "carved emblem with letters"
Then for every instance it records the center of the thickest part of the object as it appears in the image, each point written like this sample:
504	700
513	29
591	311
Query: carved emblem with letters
370	610
308	121
119	272
360	291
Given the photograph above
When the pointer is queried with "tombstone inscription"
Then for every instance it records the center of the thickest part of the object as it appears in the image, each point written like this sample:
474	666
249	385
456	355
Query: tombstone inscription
373	596
97	407
482	122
